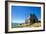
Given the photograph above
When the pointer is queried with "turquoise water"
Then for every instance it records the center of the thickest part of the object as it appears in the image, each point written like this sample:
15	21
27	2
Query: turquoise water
14	25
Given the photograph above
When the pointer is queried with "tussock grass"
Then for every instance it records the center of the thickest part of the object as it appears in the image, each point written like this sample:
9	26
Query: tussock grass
27	25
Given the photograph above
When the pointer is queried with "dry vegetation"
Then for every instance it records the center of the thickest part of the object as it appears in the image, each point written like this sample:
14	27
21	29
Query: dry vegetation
32	25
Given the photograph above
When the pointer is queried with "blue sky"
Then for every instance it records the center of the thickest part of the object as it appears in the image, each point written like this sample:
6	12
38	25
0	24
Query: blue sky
20	13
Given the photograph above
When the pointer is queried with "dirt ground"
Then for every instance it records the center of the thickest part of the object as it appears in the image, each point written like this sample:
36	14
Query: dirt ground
32	25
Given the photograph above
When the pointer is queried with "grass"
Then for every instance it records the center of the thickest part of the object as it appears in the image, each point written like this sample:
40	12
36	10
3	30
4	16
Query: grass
27	25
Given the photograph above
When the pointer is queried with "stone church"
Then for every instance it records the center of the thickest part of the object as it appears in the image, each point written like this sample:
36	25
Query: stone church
31	19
